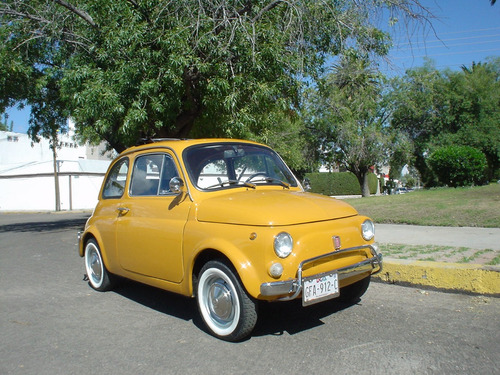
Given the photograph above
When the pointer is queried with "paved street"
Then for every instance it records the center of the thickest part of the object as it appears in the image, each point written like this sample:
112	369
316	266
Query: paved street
52	322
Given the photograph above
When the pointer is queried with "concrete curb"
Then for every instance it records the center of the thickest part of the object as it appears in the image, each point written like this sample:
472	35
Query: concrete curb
453	277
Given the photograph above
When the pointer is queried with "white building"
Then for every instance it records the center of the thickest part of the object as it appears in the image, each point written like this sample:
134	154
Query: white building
27	181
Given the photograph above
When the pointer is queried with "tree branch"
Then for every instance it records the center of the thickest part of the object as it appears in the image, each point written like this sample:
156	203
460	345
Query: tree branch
22	15
80	13
267	8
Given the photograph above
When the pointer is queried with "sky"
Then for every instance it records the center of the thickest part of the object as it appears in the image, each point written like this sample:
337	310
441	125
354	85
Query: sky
463	32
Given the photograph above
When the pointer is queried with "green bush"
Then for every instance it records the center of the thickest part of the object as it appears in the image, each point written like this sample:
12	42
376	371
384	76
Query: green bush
458	165
339	183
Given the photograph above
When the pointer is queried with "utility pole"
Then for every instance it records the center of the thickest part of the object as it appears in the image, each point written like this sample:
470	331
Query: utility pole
56	172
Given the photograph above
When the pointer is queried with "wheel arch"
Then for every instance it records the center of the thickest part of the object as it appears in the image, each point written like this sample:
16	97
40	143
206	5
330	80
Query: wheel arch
89	235
234	259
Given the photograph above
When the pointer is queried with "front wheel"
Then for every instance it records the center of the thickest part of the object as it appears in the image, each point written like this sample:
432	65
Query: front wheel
225	307
98	275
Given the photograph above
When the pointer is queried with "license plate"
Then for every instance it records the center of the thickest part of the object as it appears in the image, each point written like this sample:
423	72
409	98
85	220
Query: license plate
320	288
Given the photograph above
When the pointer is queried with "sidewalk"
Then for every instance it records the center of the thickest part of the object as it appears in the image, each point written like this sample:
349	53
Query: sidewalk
474	238
445	246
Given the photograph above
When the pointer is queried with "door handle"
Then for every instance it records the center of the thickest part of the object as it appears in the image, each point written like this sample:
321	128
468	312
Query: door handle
123	210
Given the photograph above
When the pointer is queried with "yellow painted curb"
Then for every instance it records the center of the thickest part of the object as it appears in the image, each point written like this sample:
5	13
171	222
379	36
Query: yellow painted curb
472	278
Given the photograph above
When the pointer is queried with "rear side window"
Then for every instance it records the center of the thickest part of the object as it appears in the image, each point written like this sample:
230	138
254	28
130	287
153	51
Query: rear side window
117	177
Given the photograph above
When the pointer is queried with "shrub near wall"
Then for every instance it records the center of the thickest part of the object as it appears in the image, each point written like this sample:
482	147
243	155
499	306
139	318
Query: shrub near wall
339	183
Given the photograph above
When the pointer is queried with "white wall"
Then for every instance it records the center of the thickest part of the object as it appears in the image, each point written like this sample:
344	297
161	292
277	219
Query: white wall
38	193
27	180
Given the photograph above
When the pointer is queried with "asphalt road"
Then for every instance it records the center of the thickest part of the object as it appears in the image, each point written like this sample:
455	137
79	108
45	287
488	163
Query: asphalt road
52	322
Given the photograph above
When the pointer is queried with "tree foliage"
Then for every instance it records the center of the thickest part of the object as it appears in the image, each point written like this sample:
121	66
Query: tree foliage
440	108
347	116
124	69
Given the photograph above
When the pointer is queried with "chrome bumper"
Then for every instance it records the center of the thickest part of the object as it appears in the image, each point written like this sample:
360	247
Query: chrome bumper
293	287
79	235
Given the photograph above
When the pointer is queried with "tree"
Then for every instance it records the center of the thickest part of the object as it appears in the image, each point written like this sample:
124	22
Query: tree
415	114
3	125
441	108
348	117
127	70
473	111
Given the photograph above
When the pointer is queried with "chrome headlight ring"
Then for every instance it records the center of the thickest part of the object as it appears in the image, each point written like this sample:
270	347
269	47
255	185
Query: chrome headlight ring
283	244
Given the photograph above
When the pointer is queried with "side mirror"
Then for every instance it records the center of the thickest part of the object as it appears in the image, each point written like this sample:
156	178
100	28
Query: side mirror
176	185
306	184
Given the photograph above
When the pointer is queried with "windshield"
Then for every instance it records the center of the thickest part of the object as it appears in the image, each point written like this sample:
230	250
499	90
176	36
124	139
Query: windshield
228	165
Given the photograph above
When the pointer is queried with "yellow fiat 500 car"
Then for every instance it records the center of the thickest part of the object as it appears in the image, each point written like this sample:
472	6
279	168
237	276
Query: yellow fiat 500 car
224	221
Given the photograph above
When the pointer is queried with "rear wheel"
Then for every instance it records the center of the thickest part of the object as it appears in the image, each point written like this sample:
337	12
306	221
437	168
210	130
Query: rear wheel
99	277
225	307
353	292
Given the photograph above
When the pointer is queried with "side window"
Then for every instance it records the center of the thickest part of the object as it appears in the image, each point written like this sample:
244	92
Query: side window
115	183
151	175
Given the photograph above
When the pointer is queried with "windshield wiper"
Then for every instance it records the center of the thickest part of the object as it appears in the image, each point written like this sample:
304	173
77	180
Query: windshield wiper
272	179
231	182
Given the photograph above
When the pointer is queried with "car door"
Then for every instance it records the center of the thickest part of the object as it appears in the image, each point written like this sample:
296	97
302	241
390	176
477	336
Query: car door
152	220
106	212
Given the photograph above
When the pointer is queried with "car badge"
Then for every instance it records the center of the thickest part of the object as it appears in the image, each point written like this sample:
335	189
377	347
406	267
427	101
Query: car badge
336	242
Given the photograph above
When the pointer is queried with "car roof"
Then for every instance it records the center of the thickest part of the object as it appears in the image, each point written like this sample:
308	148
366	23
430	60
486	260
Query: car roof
179	145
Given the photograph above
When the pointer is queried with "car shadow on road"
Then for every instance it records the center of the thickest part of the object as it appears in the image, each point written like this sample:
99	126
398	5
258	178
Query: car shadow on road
157	299
45	226
274	318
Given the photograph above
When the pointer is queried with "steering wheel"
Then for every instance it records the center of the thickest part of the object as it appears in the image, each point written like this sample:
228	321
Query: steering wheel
251	177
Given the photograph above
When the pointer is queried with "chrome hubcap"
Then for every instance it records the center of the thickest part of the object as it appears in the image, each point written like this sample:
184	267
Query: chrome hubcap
94	265
220	302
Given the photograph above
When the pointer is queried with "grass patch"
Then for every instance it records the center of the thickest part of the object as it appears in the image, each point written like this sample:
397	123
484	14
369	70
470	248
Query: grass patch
440	253
474	256
495	261
414	251
455	207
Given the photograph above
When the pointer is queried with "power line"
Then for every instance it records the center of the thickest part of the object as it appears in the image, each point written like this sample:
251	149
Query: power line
451	40
470	31
449	53
453	45
462	32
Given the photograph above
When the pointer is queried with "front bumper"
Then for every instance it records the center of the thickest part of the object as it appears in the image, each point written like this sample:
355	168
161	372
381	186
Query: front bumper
79	237
291	289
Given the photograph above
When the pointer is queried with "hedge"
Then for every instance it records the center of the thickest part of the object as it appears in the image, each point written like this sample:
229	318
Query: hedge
339	183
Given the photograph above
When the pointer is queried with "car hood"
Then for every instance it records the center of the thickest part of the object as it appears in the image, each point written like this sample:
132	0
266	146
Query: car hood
283	207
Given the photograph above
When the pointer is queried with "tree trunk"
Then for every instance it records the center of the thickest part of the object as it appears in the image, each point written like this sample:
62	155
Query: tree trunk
365	188
363	183
56	174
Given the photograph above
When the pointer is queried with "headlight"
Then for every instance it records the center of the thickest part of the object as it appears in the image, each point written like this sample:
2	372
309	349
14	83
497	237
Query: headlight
368	230
283	245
